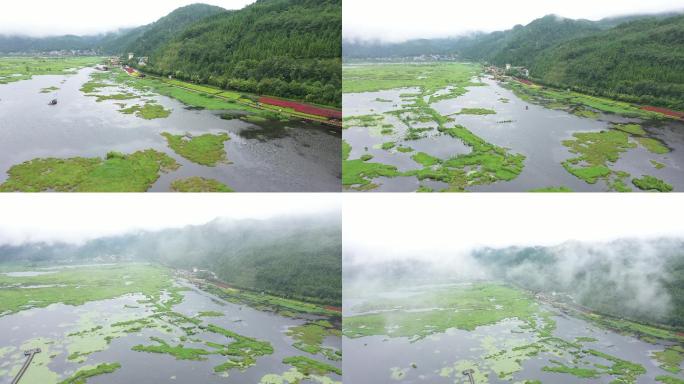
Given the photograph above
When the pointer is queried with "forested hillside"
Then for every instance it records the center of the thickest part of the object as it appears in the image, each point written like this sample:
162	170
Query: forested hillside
288	48
377	49
522	44
296	257
640	61
26	44
145	40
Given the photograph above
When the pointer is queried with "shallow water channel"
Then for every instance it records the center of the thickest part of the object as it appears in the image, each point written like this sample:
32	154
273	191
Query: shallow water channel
525	128
271	156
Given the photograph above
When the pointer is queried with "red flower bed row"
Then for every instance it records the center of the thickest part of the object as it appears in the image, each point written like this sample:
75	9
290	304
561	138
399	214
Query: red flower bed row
664	111
303	108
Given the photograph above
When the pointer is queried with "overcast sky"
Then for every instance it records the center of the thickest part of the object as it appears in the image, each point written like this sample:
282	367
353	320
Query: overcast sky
79	217
389	226
399	20
81	17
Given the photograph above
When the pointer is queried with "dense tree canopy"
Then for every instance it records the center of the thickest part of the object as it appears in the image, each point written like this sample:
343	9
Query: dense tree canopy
641	61
288	48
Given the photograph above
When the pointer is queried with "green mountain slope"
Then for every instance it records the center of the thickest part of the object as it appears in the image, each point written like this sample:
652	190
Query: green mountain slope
288	48
145	40
141	40
25	44
640	61
377	49
522	44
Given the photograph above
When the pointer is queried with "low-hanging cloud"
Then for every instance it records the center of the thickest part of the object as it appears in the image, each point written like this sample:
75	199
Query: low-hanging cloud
86	17
624	277
398	21
77	218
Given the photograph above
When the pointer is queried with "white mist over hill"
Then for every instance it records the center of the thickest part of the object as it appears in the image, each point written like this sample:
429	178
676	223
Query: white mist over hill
398	21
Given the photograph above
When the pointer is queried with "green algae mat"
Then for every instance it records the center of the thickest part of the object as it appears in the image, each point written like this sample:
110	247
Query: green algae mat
117	172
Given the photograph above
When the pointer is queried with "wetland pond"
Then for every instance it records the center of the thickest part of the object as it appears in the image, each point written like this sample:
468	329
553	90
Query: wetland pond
178	334
108	120
432	334
449	127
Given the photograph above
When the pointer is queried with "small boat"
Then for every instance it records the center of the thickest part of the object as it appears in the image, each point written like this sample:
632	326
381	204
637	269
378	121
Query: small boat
53	102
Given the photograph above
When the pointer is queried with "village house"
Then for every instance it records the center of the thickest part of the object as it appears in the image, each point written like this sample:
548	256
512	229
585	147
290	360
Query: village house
517	71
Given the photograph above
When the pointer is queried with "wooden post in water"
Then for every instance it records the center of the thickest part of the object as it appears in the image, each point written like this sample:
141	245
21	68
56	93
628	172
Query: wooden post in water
29	357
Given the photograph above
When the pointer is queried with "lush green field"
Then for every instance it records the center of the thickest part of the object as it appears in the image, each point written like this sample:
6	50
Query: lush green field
75	286
23	68
429	77
118	172
575	102
284	306
473	305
